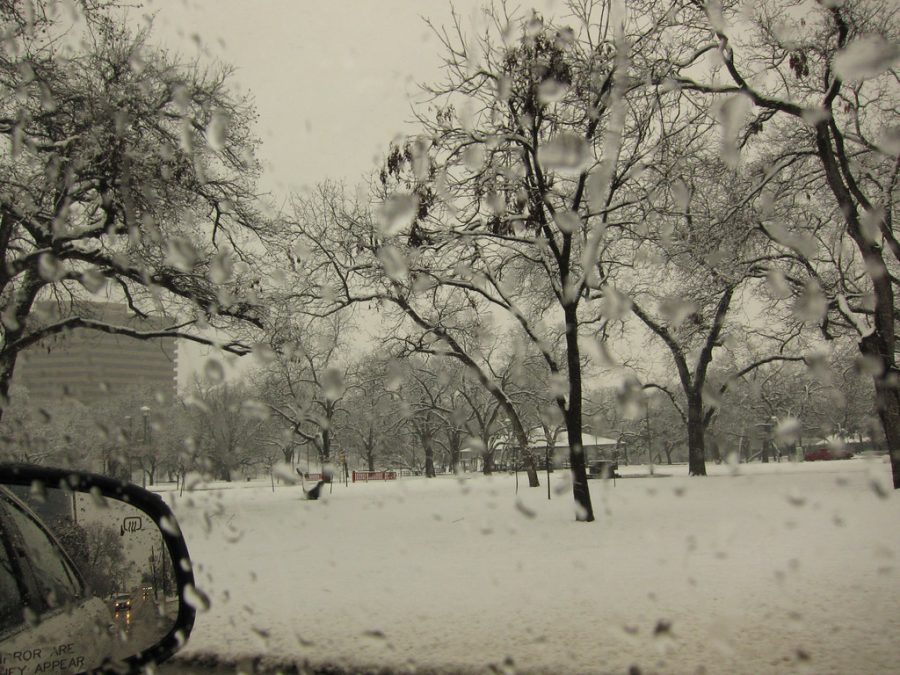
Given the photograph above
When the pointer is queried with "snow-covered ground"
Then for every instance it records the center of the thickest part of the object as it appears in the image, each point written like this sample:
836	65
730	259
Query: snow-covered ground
779	568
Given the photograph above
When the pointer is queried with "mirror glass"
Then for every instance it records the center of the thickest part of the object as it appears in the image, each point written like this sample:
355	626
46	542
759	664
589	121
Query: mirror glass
70	556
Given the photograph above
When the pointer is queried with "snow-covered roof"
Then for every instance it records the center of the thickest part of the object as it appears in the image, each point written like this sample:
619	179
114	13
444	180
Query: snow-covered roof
562	440
835	440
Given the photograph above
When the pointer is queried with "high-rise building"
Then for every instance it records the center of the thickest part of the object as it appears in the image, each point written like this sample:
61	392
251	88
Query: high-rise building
89	364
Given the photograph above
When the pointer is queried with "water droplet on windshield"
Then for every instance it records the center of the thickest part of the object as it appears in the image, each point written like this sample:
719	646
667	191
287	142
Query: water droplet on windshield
98	499
568	221
38	491
866	57
879	488
566	152
333	384
221	268
552	91
214	371
168	525
525	510
474	157
217	129
397	213
196	598
302	641
663	627
181	254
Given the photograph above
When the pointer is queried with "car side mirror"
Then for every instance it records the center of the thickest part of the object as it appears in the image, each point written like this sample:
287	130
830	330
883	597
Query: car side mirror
94	573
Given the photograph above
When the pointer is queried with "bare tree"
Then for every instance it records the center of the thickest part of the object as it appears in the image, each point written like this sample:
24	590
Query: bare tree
697	251
823	111
530	147
305	383
226	421
375	421
522	165
334	253
130	173
426	393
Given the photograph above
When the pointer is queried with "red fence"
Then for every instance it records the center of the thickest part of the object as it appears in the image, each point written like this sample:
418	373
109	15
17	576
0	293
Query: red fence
366	476
317	476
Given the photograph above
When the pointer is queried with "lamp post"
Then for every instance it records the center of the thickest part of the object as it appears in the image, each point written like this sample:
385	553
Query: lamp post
145	411
767	432
129	439
773	426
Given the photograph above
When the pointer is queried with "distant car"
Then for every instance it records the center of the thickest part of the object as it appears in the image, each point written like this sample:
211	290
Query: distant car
826	454
122	602
603	469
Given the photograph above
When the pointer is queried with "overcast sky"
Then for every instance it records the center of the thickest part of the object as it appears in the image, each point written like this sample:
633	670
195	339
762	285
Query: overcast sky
332	80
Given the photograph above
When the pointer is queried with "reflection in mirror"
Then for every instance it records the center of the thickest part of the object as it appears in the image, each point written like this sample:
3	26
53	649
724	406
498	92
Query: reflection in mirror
70	556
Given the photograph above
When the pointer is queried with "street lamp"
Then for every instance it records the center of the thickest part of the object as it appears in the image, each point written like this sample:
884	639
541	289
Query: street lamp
145	411
128	453
773	426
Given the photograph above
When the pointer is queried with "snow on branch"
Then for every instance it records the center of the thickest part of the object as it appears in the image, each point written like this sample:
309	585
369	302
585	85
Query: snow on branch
91	324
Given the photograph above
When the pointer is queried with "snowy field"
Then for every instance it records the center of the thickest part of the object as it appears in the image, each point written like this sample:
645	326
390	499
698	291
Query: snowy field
781	568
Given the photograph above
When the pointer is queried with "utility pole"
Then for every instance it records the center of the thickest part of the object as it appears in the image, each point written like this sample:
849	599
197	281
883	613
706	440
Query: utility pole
129	450
145	411
547	466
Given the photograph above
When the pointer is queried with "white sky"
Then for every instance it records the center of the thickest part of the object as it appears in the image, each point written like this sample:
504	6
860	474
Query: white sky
332	80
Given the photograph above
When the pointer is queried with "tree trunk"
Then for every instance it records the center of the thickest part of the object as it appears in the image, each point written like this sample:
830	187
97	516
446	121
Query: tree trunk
531	469
881	342
370	443
23	299
887	402
429	457
668	448
7	366
326	446
696	442
584	509
487	463
522	440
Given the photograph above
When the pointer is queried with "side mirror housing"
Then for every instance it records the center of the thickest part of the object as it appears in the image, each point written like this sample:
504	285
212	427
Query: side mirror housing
93	574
